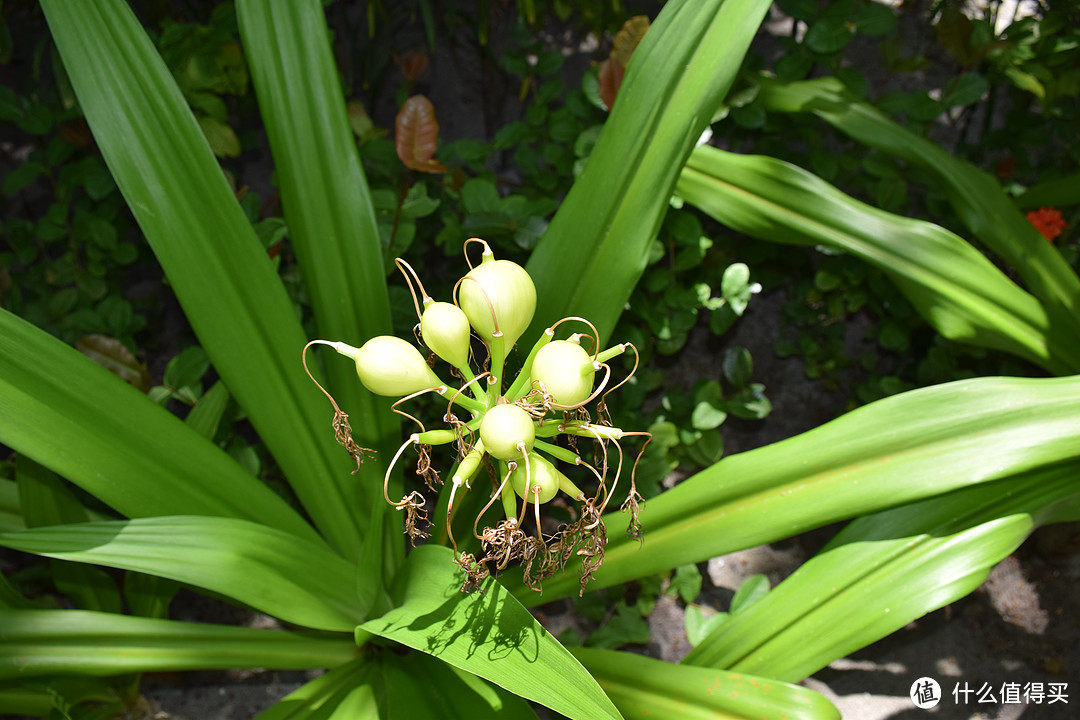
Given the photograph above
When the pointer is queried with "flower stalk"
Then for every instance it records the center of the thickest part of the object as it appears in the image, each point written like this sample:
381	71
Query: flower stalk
521	435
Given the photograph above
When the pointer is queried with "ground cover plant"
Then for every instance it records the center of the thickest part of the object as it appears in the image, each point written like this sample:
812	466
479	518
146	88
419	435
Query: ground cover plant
939	483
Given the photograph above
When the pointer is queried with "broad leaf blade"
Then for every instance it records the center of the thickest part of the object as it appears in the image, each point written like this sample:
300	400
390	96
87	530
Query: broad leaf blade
278	573
328	208
898	450
87	425
215	263
597	246
344	693
927	554
40	698
641	686
79	642
11	517
487	633
47	501
421	686
961	293
1061	192
975	195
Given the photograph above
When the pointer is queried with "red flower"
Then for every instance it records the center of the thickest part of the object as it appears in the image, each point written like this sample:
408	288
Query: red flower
1047	221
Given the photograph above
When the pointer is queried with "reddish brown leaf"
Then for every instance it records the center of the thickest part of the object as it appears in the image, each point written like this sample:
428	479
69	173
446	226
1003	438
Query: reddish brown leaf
416	135
411	64
613	69
112	355
609	79
628	38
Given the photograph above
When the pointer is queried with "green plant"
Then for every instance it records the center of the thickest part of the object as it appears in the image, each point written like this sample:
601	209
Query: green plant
940	482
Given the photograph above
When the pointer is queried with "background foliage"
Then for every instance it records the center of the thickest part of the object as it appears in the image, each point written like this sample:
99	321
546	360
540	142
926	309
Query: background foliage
1000	93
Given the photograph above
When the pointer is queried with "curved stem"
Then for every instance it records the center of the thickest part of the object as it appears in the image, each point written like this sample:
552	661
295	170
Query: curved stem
497	346
498	493
413	439
523	382
303	361
470	404
486	254
403	266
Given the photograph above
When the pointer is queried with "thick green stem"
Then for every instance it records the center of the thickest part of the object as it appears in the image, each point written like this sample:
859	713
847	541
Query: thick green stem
560	453
523	383
611	352
476	389
458	398
497	346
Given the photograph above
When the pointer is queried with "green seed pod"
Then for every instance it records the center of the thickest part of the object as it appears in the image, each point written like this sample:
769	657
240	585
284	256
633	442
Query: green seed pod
390	366
445	330
503	427
541	473
503	287
566	371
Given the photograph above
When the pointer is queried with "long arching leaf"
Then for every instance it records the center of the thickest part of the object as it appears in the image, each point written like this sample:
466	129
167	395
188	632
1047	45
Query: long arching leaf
328	209
925	555
597	246
898	450
34	643
975	195
278	573
81	421
643	687
961	293
222	277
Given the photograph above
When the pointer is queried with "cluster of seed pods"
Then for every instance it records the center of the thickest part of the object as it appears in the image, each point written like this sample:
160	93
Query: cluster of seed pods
518	430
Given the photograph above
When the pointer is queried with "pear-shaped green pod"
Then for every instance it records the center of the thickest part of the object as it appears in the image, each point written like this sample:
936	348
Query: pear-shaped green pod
498	293
540	473
390	366
445	330
566	370
503	428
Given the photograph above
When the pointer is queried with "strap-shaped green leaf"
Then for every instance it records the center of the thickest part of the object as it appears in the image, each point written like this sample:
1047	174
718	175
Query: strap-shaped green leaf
597	246
975	195
885	570
81	421
10	598
898	450
1059	192
643	687
328	209
420	686
80	642
47	501
222	277
487	633
345	693
10	509
273	571
40	697
961	293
